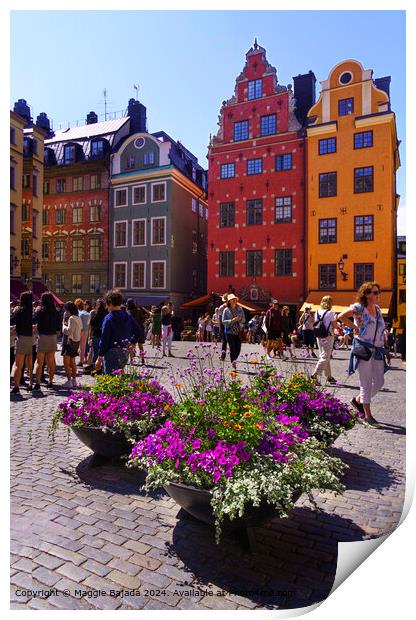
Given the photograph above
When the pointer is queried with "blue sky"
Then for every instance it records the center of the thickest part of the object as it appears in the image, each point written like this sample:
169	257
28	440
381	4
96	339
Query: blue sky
186	62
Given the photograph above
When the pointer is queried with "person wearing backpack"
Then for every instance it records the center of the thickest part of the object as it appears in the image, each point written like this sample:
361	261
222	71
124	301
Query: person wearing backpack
323	328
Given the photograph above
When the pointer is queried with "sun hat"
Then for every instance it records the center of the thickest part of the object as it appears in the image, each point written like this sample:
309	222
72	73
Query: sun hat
224	297
232	296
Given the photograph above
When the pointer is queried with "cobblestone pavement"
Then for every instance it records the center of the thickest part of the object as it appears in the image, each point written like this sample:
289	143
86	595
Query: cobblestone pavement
81	533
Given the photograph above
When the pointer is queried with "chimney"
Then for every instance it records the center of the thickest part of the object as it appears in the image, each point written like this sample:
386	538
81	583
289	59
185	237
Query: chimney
91	118
43	122
304	93
137	113
21	108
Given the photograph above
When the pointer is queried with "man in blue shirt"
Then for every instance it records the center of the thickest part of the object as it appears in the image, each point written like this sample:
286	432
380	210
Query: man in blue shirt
119	331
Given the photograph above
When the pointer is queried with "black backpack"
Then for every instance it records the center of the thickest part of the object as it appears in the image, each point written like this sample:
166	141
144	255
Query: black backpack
319	328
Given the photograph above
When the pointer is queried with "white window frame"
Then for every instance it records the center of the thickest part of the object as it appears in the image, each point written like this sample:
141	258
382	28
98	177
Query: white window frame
193	207
158	183
120	262
126	222
160	217
139	245
138	262
158	288
116	191
145	194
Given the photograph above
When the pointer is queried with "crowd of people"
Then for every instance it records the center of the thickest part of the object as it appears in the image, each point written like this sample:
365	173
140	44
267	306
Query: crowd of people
105	336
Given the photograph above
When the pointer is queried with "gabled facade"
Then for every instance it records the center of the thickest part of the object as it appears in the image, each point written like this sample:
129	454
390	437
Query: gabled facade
158	220
256	234
17	124
352	159
400	323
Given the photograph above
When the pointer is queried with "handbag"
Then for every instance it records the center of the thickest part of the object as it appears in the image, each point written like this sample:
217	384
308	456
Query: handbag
362	352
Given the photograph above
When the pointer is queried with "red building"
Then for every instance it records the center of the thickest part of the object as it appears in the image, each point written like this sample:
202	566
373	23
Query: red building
256	195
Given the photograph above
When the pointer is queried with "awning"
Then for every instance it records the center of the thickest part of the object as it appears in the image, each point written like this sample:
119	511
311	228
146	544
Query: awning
198	302
16	289
247	306
343	300
56	299
37	289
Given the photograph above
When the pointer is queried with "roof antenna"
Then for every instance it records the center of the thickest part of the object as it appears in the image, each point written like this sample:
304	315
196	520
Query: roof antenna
105	103
136	88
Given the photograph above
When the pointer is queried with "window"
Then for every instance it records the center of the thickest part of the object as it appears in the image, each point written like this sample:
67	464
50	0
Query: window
363	180
227	171
25	212
139	232
283	162
95	284
254	263
402	269
120	275
254	214
328	230
194	205
76	283
363	140
60	186
120	234
254	166
255	89
95	181
12	135
77	184
364	228
77	250
12	176
328	145
240	130
120	197
327	276
149	158
158	274
94	248
60	251
26	181
346	106
194	242
45	250
77	215
139	194
363	272
35	225
130	161
268	125
283	210
227	215
97	148
25	248
226	264
158	192
59	283
45	217
283	263
35	184
46	187
35	146
158	230
60	216
12	220
206	213
402	296
327	184
138	274
69	154
95	213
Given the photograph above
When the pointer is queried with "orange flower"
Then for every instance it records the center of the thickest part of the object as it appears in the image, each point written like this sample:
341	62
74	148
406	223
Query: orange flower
226	423
254	361
232	373
259	426
248	414
237	427
166	408
233	413
178	385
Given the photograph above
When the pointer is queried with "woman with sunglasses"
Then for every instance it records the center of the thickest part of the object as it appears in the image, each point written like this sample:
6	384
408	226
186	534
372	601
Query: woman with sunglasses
365	319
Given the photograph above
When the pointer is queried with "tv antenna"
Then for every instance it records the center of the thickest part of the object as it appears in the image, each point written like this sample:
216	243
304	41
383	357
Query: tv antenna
105	102
136	88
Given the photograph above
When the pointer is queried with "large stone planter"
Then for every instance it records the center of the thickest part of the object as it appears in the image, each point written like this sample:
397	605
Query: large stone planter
197	502
108	444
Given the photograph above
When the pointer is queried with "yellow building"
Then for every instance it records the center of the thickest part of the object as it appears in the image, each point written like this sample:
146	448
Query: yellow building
17	124
400	323
352	159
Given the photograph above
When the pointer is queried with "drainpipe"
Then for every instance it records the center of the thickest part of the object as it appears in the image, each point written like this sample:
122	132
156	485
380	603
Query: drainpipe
305	213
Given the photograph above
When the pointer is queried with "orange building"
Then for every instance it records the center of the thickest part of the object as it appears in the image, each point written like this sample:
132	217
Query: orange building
352	159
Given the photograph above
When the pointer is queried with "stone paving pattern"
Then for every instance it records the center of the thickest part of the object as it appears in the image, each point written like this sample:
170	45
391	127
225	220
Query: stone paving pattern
79	533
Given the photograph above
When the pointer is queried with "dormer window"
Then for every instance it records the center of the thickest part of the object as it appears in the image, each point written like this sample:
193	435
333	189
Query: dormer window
149	158
130	163
69	154
97	148
255	89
